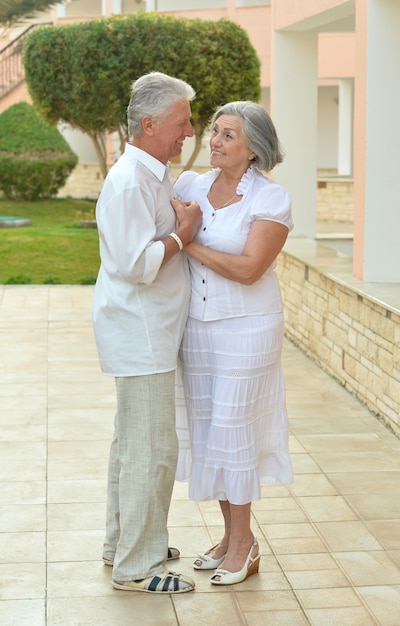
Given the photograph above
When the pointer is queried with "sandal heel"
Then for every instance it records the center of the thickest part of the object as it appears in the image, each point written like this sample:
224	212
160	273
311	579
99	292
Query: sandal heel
223	577
253	568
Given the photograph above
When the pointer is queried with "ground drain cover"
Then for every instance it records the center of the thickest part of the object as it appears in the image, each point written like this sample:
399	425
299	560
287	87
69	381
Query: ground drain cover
8	221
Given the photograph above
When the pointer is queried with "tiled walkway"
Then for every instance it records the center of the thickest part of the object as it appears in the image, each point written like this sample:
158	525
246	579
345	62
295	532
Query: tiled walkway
330	542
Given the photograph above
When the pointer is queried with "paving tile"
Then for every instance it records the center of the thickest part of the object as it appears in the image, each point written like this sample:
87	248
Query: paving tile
369	568
384	602
327	508
76	516
348	616
74	545
63	491
366	482
20	547
328	598
23	612
330	542
192	607
23	492
375	506
22	518
78	579
387	532
276	618
23	581
120	608
348	536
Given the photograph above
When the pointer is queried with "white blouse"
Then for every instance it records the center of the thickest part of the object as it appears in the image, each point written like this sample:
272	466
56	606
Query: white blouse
214	297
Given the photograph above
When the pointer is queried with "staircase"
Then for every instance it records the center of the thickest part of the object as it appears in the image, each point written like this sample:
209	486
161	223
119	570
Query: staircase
11	67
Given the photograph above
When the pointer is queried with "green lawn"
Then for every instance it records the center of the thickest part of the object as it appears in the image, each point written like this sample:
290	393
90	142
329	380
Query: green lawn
54	249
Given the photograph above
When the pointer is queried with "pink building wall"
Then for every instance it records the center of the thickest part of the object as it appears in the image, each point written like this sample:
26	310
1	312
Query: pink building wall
288	13
336	51
336	55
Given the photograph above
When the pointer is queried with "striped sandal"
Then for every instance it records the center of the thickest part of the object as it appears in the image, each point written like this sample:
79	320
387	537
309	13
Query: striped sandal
165	582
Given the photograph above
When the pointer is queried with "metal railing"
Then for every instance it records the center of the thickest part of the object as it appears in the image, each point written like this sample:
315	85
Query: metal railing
11	67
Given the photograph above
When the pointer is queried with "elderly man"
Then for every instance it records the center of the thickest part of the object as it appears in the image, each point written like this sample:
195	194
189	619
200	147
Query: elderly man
139	312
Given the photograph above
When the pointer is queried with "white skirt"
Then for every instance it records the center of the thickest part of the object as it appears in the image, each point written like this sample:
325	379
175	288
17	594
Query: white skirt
236	408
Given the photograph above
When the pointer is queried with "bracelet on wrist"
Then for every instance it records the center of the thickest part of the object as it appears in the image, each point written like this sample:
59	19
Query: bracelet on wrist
177	239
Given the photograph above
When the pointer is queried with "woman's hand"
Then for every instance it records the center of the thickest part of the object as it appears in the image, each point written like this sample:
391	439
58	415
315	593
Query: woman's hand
189	218
266	239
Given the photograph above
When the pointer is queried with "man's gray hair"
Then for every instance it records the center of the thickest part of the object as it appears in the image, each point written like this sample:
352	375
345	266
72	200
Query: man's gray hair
155	94
258	130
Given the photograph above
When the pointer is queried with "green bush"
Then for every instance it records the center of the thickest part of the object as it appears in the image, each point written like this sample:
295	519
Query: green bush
82	73
35	159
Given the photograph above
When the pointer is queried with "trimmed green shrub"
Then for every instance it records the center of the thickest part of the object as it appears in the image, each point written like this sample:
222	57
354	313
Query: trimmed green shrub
82	73
35	159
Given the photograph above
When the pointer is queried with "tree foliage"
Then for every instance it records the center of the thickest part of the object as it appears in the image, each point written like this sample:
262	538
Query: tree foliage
82	73
12	11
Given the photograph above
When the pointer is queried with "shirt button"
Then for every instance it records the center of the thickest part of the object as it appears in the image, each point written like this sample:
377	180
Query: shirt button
204	299
203	281
204	228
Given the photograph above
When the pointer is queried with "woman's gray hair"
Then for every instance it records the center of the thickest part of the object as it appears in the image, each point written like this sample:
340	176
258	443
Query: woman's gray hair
155	94
258	131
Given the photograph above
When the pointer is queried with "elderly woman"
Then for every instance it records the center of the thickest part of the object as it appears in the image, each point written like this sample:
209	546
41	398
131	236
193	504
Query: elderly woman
231	350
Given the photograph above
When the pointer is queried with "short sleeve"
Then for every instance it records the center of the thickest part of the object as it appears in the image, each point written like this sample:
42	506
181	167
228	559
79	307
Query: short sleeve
182	185
273	202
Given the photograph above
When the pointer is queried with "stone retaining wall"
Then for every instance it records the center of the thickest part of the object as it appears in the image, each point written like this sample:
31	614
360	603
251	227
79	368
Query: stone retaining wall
354	338
335	202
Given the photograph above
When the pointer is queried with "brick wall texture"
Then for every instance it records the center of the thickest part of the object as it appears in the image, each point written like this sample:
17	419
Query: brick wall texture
350	336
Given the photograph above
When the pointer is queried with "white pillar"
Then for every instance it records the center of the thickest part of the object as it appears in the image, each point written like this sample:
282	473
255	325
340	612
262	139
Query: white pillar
294	97
382	144
111	7
61	9
345	127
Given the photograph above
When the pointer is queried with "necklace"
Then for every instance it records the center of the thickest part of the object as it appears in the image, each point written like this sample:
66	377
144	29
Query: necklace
224	205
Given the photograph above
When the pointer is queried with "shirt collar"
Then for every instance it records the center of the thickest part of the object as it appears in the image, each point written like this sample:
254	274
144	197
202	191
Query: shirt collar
153	164
249	175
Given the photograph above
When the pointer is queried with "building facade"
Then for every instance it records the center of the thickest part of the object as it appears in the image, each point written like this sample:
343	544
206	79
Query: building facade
329	78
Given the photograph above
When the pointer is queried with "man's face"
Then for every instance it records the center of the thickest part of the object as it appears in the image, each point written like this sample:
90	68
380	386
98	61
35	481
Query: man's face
171	131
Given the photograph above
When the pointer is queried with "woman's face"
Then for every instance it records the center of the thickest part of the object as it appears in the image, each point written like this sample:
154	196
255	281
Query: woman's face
229	150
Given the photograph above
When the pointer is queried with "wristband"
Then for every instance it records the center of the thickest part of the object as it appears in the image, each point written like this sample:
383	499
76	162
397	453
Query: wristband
177	239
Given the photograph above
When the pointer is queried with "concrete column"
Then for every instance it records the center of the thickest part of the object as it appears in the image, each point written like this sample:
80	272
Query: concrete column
61	9
345	127
294	94
110	7
231	10
377	141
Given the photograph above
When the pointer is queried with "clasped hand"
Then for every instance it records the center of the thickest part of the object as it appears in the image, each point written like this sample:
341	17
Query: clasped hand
189	218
